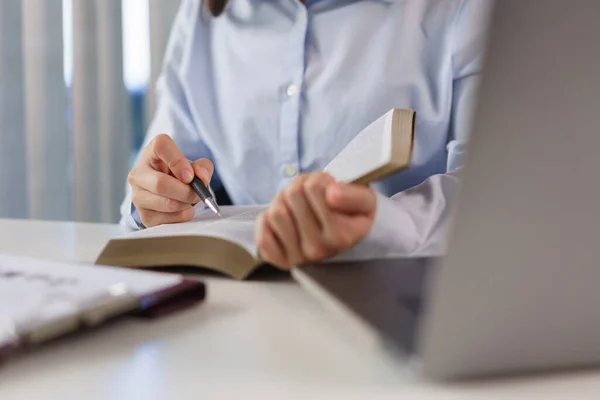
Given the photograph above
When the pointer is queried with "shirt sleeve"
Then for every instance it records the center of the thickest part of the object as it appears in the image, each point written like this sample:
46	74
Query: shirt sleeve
410	223
172	116
415	222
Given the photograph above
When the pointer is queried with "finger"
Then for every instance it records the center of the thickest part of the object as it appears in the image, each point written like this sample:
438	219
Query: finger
269	248
356	227
144	199
153	218
314	188
350	199
308	226
164	149
162	184
347	230
203	168
284	228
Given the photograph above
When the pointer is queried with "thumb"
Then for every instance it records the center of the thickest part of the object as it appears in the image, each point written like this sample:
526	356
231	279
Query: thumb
350	199
203	169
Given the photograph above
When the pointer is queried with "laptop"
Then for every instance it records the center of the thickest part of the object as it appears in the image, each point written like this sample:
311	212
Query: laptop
519	287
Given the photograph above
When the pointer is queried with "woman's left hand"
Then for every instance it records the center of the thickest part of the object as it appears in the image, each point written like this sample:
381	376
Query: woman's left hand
314	218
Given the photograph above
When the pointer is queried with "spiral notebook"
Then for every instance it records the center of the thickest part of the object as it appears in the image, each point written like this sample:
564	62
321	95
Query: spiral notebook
42	300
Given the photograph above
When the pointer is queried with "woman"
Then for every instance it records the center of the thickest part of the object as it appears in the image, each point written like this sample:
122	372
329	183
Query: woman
269	91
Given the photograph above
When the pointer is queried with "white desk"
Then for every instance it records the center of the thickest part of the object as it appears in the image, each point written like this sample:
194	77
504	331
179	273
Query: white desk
249	339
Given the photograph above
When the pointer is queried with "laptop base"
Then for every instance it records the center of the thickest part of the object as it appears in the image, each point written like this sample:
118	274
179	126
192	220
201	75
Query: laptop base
385	296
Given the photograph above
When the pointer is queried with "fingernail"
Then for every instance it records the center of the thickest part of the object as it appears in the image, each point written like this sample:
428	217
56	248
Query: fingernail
337	190
187	175
335	193
205	175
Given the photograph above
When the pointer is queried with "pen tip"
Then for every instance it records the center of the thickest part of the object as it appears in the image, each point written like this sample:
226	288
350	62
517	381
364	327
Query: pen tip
210	202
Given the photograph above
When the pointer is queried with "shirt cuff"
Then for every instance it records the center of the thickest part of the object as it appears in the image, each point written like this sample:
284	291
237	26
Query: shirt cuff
130	221
393	234
394	228
136	217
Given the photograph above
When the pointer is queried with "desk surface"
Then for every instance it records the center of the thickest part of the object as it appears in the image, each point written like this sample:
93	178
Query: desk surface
260	338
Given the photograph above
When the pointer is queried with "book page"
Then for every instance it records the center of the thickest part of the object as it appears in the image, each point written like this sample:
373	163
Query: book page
368	151
237	225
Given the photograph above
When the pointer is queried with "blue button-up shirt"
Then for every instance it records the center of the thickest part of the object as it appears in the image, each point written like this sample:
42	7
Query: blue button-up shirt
273	88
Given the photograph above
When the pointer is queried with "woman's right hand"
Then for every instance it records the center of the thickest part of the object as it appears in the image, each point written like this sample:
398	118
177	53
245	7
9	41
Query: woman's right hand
160	181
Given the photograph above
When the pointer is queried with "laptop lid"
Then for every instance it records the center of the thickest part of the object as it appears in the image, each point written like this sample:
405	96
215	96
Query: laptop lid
518	290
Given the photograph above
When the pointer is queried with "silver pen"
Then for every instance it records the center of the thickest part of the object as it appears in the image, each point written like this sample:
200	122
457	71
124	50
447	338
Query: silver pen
205	195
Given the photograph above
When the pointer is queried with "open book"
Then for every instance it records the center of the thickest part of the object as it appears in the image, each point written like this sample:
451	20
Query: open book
227	244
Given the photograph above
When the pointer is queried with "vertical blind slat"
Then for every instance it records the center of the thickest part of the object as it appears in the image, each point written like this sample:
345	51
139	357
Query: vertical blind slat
115	114
13	171
50	189
85	112
161	13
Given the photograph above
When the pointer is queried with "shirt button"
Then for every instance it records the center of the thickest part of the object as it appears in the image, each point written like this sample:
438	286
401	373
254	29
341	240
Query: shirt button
292	90
302	15
290	170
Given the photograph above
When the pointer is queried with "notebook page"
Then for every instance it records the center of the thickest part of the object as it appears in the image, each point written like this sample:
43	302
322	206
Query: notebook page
34	291
237	225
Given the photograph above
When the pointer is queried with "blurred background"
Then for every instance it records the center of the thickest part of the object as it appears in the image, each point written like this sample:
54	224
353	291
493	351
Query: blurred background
76	95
